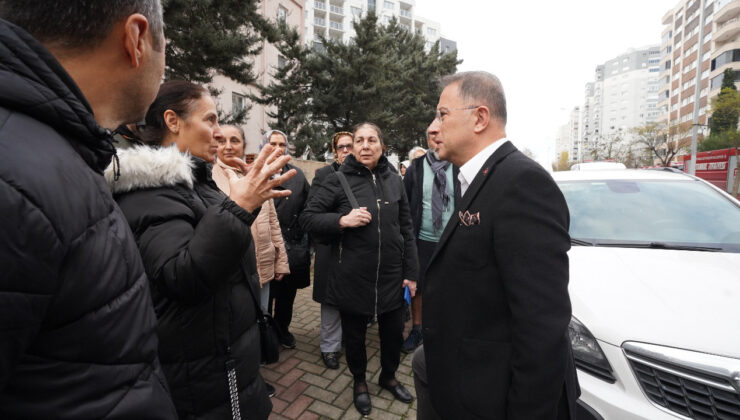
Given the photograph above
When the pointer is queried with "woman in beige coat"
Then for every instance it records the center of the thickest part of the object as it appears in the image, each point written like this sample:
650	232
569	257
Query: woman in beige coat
272	260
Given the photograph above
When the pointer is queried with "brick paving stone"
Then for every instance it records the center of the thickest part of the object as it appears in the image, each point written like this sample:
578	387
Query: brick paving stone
308	416
311	367
286	365
344	400
297	407
306	389
320	394
327	410
294	391
316	380
340	383
332	374
278	405
399	408
270	375
290	377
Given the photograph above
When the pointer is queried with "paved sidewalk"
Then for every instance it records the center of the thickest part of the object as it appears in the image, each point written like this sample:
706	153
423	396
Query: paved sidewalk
306	389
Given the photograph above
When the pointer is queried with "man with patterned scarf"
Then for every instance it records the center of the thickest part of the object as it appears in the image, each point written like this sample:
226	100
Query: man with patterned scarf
433	189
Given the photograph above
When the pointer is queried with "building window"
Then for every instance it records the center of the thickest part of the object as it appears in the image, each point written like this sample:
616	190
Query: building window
386	19
431	32
282	13
238	103
356	11
387	5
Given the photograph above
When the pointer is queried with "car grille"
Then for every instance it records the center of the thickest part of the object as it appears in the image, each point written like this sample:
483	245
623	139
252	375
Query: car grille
690	393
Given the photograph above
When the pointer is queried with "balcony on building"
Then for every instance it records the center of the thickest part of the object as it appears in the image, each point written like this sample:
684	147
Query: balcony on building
319	21
335	28
727	31
319	8
405	15
726	10
335	8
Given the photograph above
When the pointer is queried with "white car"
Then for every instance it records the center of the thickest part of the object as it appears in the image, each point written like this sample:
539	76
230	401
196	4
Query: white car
655	289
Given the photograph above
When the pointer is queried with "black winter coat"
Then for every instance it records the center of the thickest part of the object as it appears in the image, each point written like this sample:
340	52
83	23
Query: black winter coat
195	243
322	257
368	263
296	240
77	329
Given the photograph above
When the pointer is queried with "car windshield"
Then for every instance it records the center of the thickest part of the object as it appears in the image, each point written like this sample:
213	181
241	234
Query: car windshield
651	213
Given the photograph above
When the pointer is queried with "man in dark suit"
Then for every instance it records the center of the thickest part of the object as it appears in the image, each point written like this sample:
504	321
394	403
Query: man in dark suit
496	305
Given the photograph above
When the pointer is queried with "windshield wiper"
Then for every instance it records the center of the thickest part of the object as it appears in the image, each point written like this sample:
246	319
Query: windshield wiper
659	245
582	242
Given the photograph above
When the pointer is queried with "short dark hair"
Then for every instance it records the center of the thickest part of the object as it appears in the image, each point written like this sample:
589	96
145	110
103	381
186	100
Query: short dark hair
76	25
176	95
481	87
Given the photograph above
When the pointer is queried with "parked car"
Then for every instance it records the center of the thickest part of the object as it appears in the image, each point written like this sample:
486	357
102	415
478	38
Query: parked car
597	166
655	288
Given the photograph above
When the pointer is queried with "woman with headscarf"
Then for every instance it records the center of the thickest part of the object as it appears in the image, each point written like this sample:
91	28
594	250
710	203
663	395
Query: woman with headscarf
195	243
373	256
289	208
331	323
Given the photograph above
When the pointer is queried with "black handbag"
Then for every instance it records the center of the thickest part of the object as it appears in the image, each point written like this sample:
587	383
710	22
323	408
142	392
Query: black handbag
269	337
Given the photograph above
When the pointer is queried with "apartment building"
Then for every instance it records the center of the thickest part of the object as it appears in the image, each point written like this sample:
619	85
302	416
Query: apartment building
235	96
725	52
682	38
333	19
623	95
569	135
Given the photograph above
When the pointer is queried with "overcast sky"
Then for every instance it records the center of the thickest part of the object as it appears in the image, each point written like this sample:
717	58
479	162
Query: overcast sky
544	51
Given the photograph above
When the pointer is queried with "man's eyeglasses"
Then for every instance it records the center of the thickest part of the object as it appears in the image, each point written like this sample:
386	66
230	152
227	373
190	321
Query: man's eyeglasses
439	114
344	147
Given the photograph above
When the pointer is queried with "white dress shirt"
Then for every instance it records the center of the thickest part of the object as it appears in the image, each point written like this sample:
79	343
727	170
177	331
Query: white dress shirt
471	168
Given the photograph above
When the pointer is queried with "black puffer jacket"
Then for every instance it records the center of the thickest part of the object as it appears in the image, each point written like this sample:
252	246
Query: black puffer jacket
368	263
195	243
322	257
77	329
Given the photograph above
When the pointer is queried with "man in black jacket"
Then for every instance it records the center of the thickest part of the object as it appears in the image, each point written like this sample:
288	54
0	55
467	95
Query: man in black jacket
496	305
433	189
77	327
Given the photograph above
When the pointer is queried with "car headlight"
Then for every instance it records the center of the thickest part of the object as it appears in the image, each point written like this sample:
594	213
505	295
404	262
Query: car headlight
587	353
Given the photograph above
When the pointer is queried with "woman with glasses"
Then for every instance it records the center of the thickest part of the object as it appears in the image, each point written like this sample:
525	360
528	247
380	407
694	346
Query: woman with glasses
373	256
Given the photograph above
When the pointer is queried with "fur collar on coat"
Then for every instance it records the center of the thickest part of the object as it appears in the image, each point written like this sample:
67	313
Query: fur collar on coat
150	167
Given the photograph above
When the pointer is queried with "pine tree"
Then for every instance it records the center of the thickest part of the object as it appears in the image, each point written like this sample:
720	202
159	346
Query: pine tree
384	75
207	36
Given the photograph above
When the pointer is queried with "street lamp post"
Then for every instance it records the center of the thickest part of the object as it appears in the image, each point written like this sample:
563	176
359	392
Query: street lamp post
697	89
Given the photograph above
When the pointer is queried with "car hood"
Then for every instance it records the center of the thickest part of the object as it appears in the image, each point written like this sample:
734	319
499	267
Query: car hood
683	299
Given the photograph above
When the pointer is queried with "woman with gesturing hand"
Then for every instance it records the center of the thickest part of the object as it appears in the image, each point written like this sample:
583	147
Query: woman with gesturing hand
198	252
373	256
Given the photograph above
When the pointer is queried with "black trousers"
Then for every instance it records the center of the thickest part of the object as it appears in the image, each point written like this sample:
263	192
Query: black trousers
282	297
390	329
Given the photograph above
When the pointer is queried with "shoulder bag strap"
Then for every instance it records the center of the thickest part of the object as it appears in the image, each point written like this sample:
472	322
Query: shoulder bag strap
347	190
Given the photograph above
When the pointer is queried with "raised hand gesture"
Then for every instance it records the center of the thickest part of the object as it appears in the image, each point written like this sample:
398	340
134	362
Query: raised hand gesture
250	191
